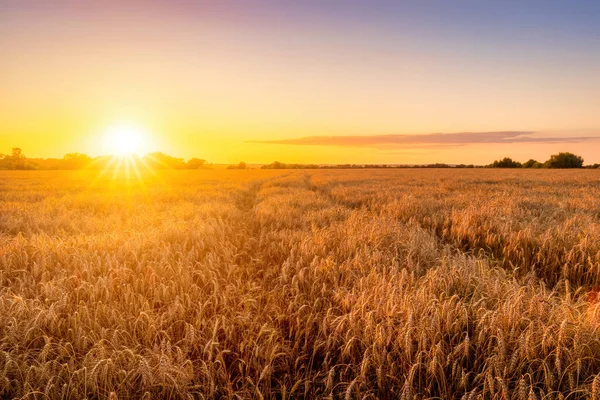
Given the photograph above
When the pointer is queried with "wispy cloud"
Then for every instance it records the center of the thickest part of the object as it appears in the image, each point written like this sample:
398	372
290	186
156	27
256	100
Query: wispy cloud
430	140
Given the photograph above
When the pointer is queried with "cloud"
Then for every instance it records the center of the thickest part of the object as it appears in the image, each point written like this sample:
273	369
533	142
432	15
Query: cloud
430	140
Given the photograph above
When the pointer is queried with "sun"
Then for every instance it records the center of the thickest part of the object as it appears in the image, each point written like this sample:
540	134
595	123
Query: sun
125	139
127	150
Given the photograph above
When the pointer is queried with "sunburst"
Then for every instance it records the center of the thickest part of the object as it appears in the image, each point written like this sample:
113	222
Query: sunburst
125	145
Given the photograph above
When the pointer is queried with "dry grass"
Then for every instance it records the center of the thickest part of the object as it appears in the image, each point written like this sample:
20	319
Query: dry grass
305	284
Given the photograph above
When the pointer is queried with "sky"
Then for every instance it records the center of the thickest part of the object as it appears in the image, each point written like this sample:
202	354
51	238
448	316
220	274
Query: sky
311	81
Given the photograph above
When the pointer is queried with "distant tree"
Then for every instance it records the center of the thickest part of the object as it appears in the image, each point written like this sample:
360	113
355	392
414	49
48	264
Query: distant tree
564	160
506	162
275	165
437	165
531	163
160	160
195	163
76	161
280	165
241	165
17	158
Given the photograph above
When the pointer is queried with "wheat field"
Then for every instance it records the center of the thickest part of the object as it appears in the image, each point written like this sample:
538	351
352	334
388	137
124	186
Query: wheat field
266	284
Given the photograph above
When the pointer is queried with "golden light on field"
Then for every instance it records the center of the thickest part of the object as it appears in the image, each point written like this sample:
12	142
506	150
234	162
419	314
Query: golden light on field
490	274
125	140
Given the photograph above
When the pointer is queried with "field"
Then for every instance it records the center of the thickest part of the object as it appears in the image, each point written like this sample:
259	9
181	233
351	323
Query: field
392	284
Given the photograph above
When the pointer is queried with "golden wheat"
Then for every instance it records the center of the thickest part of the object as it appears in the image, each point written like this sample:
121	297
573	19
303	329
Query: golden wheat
300	284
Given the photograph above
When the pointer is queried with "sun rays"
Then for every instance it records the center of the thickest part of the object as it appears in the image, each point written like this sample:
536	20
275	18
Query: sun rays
125	163
130	169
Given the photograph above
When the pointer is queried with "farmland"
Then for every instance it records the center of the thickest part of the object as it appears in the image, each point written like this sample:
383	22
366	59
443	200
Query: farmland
281	284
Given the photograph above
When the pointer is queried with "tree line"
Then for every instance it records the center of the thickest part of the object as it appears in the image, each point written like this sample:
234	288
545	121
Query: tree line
16	160
560	160
280	165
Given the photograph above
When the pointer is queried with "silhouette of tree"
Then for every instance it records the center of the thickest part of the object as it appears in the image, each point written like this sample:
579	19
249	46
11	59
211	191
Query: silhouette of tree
241	165
564	160
195	163
76	161
17	158
531	163
506	162
160	160
280	165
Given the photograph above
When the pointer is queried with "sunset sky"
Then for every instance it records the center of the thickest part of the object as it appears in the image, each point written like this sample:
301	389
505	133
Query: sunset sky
304	81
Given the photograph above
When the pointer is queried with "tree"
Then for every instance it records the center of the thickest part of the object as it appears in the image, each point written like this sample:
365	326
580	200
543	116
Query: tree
160	160
506	162
17	158
531	163
241	165
195	163
17	153
76	161
280	165
564	160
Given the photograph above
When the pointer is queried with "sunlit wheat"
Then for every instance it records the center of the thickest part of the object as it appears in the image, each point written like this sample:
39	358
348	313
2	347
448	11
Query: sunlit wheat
302	284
